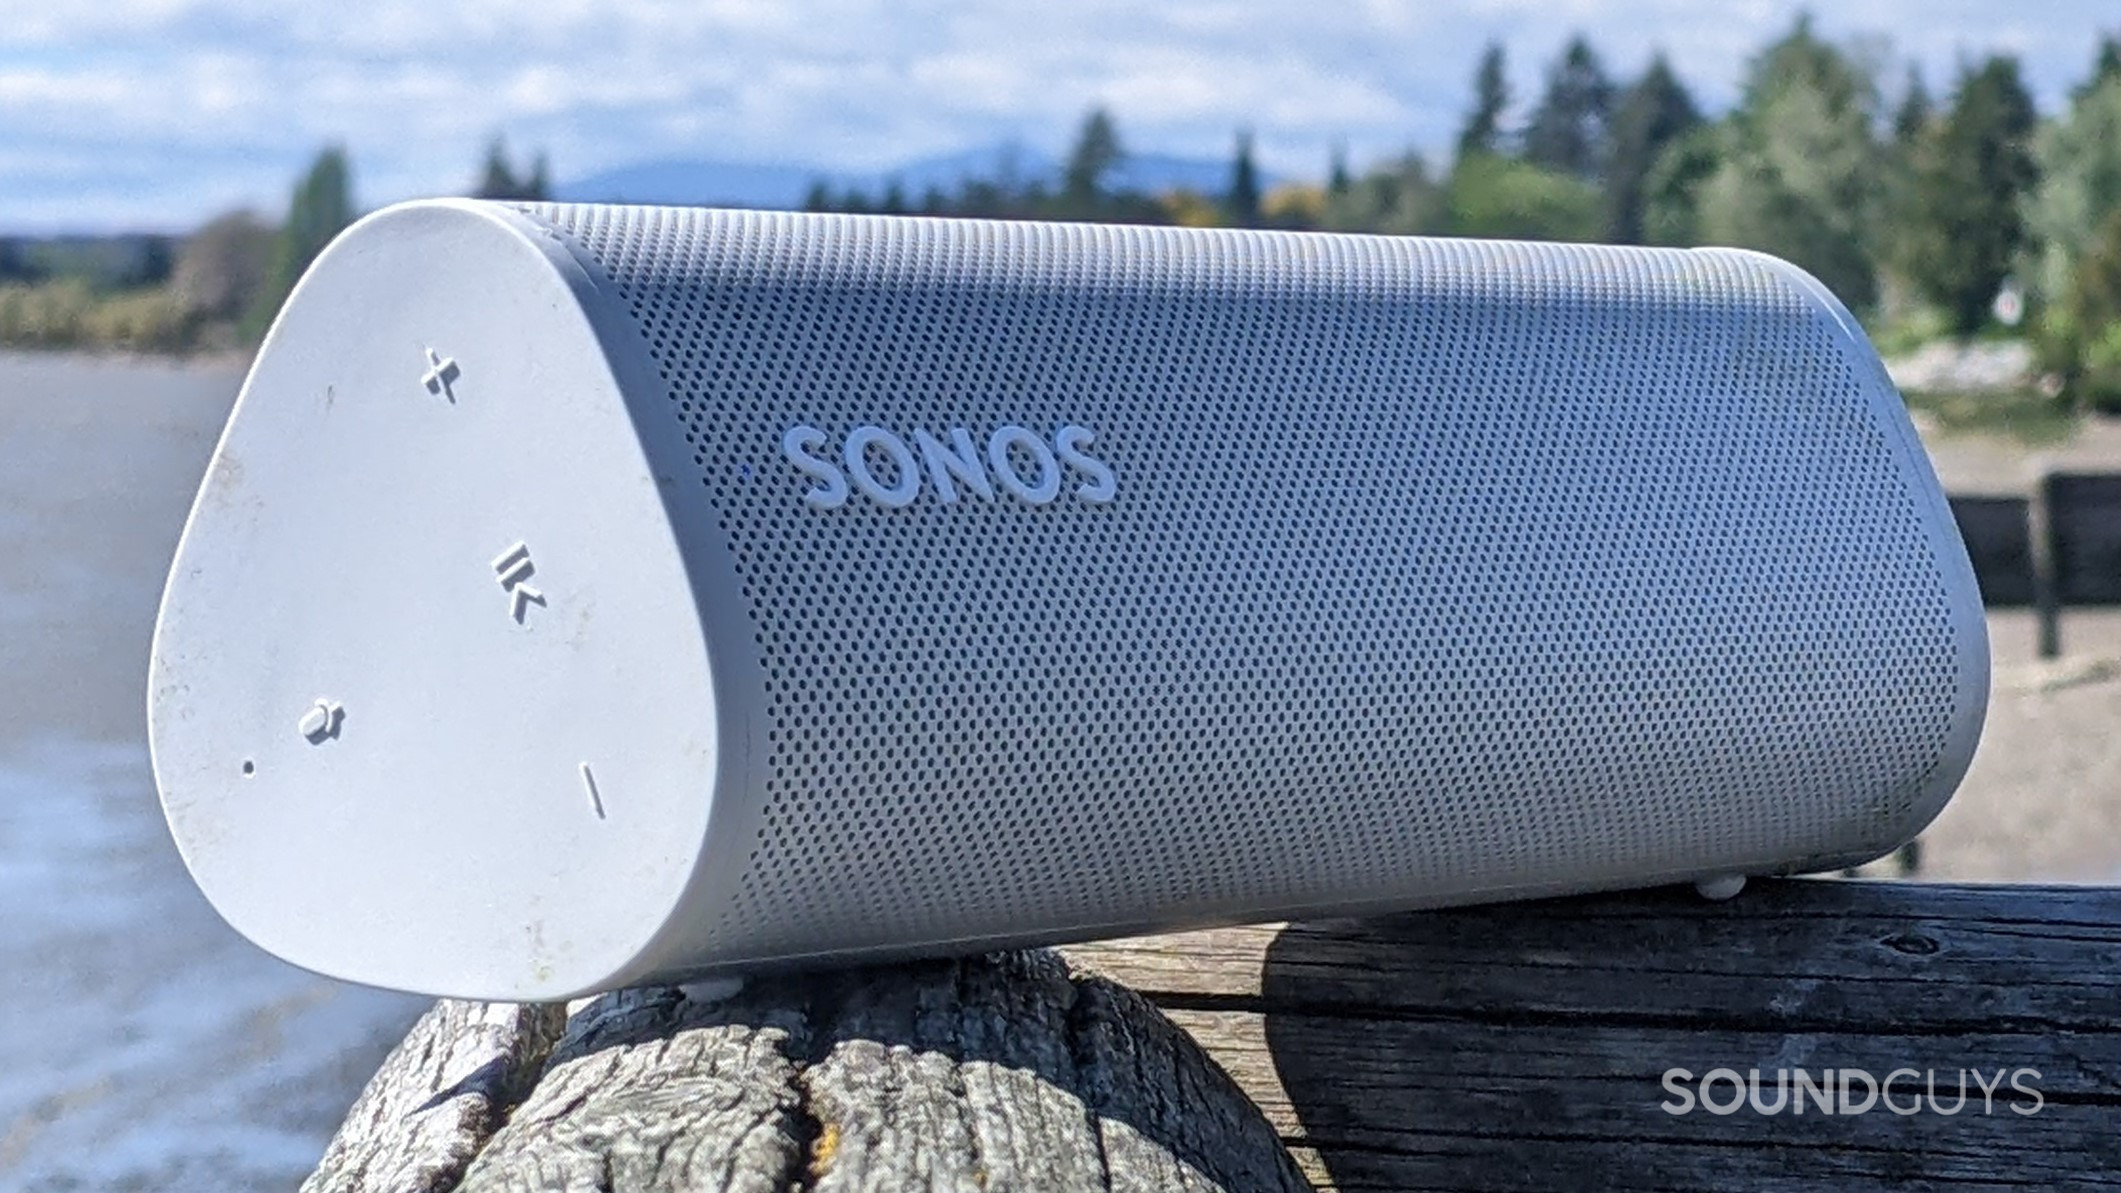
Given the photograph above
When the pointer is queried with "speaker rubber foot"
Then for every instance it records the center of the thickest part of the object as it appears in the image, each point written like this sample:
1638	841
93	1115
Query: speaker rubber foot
1719	888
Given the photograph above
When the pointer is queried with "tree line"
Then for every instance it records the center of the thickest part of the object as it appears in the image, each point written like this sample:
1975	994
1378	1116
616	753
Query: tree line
1963	213
217	288
1928	214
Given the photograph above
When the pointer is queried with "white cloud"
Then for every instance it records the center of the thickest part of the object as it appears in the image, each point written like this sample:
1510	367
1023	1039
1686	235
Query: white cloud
154	111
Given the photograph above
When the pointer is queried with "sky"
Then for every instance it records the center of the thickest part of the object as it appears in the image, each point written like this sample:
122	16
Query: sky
157	114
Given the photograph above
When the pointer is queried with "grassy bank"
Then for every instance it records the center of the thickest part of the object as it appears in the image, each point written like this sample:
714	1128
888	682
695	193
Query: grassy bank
2023	416
67	313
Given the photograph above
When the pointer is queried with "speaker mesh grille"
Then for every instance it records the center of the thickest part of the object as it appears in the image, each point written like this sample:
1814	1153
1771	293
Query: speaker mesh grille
1435	567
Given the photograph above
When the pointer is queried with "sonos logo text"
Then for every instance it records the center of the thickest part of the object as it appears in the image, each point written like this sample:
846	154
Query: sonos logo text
888	471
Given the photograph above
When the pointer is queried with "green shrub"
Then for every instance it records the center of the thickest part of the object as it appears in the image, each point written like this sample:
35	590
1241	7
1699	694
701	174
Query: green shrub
139	321
1509	199
67	313
1907	329
44	314
2081	336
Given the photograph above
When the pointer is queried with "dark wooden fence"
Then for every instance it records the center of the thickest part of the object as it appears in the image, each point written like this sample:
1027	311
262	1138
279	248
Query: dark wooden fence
2061	546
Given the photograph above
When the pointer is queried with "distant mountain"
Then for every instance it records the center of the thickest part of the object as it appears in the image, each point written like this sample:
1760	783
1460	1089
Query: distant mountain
736	184
1008	162
683	182
1159	172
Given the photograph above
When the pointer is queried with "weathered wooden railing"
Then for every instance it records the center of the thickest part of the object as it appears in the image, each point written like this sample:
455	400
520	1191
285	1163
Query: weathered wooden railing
1516	1047
2058	546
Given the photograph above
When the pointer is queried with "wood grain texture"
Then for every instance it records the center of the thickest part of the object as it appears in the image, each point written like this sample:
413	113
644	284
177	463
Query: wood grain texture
1523	1047
1002	1072
438	1098
1510	1047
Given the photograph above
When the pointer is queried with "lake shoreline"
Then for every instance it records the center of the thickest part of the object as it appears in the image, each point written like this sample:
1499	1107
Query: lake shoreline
207	360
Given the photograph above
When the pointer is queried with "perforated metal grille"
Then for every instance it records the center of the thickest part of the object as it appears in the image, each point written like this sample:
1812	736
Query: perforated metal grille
1434	567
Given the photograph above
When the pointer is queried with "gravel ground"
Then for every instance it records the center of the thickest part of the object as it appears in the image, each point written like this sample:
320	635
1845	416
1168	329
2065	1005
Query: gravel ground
2042	802
1979	464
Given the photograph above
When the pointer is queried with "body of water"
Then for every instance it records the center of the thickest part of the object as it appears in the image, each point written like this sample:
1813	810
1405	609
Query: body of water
146	1045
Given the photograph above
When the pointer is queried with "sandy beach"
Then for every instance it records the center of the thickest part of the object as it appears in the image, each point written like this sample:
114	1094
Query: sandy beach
2042	802
151	1048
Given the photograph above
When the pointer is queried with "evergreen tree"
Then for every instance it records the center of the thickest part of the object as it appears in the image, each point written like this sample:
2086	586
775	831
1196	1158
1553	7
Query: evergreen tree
1973	171
1913	115
1799	175
1337	179
1097	150
498	178
2079	158
1901	239
2105	65
1241	202
321	208
1491	98
1651	114
1397	197
894	198
818	197
1671	195
1569	131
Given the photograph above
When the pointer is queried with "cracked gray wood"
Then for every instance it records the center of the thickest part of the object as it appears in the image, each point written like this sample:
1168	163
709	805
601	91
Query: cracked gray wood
1003	1072
1509	1047
437	1098
1522	1047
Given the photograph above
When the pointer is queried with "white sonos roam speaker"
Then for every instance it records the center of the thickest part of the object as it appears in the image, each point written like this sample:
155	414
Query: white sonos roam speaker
585	595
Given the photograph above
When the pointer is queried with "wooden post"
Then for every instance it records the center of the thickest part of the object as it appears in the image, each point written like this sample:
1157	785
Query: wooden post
1525	1046
1003	1072
2047	592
